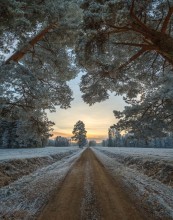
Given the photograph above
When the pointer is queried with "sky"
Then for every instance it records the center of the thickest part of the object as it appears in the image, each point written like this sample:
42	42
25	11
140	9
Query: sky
97	118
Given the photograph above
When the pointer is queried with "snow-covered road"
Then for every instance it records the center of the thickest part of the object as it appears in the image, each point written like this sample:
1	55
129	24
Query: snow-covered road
137	171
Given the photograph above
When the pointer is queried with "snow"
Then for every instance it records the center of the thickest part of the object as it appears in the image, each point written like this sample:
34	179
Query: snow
154	195
156	163
9	154
152	153
23	198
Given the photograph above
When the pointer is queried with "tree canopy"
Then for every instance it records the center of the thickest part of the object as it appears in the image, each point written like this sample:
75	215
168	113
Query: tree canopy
124	46
127	48
37	40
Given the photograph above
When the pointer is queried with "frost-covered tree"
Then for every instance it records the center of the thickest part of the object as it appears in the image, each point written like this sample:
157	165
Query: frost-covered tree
114	138
26	131
117	33
25	95
38	35
79	133
110	138
104	143
92	143
126	48
28	22
50	142
34	131
149	116
41	47
61	141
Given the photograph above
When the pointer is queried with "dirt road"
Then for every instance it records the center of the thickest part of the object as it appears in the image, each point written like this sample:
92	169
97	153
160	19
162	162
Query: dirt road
89	193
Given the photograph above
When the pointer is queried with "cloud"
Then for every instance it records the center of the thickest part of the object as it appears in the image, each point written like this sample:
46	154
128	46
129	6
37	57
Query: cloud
57	133
91	136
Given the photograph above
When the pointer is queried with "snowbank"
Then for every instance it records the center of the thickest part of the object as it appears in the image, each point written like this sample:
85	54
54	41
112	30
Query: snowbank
13	169
150	153
155	163
9	154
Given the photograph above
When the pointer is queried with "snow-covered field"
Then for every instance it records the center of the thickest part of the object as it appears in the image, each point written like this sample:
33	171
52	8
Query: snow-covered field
8	154
15	163
146	173
155	163
23	198
152	153
150	193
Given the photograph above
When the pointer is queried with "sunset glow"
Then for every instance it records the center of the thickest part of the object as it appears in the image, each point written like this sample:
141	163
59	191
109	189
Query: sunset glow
97	118
91	136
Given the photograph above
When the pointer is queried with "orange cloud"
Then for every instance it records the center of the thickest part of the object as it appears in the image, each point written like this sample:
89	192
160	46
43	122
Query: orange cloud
57	133
97	137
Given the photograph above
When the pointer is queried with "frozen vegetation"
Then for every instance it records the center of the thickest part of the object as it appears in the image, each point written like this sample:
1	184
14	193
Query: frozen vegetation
146	175
8	154
131	165
155	163
23	198
150	153
16	163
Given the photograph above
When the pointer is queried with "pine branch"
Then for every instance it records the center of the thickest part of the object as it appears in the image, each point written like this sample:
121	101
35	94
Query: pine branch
133	58
138	21
19	54
131	44
167	20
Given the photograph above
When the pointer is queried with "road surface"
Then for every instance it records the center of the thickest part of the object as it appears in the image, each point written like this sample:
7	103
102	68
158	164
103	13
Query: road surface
90	193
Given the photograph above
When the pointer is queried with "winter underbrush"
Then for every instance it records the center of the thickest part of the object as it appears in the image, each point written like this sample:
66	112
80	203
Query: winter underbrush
24	198
155	163
15	163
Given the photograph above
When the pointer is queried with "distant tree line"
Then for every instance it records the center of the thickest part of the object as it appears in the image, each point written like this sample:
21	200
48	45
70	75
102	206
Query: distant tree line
115	139
92	143
61	142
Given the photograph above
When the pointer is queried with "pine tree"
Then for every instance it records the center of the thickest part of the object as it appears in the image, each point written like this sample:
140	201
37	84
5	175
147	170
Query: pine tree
126	49
110	138
79	133
34	78
27	131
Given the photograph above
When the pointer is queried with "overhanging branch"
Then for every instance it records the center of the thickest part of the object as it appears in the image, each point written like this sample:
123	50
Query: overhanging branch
167	20
19	54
